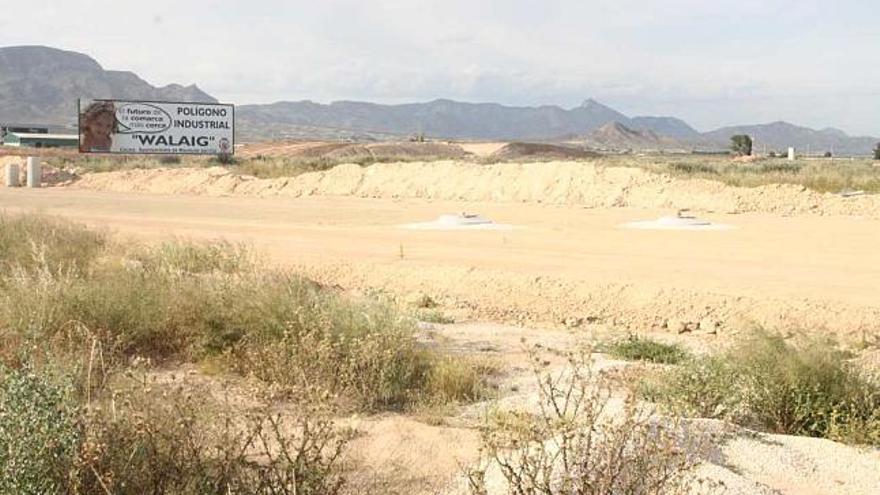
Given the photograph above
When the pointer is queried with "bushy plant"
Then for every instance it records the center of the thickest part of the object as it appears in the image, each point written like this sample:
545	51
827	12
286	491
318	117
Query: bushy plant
692	168
576	444
169	160
40	433
183	442
431	315
808	388
635	348
741	144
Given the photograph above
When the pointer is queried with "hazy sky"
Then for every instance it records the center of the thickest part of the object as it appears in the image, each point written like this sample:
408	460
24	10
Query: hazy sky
711	62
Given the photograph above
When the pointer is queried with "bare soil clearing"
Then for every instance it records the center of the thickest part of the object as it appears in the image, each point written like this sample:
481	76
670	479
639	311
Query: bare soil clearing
804	272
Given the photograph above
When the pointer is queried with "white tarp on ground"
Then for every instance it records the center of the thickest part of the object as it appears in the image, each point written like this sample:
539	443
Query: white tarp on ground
676	223
461	221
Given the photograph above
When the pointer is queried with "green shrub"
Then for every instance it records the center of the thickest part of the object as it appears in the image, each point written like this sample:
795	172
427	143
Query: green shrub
40	433
183	442
434	316
777	167
741	144
764	381
635	348
169	160
224	159
692	168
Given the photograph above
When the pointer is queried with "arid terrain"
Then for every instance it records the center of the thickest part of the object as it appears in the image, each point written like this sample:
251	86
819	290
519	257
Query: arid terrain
563	271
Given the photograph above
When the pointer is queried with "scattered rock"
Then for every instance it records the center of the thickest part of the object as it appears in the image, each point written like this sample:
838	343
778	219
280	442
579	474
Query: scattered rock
709	325
676	326
420	300
573	322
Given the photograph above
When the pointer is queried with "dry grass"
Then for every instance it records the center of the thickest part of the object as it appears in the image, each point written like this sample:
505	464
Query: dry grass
577	444
823	175
85	314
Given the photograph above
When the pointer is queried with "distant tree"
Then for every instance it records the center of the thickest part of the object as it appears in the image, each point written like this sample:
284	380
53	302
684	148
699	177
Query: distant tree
741	144
877	152
772	154
828	154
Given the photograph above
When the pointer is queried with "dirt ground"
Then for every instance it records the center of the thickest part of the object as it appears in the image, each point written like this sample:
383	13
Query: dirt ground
559	262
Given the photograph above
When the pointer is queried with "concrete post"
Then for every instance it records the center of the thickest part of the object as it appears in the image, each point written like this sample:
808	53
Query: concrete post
34	174
12	175
791	154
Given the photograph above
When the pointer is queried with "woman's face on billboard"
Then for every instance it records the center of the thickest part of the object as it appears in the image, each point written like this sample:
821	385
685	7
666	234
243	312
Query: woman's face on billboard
98	128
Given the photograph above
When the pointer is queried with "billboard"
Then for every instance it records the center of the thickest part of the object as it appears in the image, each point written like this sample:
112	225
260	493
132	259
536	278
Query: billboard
120	126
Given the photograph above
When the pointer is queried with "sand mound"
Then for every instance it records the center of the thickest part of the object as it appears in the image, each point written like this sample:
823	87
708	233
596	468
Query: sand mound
567	183
481	149
387	151
514	151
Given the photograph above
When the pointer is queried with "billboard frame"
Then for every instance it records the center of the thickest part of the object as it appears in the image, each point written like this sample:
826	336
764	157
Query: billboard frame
159	153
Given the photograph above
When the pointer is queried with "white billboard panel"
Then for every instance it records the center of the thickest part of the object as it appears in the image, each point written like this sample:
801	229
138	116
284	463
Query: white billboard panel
120	126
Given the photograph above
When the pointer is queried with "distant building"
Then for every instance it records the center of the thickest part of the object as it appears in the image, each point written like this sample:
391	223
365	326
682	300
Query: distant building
40	140
23	128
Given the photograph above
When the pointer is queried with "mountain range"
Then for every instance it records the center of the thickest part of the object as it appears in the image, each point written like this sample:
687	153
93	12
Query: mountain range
41	85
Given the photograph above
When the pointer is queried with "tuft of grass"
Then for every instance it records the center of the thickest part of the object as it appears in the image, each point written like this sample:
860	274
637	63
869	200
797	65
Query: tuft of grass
635	348
822	175
458	379
434	316
30	241
804	388
195	258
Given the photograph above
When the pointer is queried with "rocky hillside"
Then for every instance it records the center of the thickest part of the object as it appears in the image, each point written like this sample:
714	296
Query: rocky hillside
438	118
616	136
41	85
778	136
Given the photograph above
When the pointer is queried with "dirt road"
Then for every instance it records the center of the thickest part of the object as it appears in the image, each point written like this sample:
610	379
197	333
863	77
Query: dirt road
558	262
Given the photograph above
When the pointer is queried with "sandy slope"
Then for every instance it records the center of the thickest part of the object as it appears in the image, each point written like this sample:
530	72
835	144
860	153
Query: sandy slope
564	183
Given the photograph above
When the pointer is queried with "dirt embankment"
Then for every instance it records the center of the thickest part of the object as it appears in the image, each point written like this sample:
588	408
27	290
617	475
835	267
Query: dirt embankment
566	183
356	152
491	295
539	151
